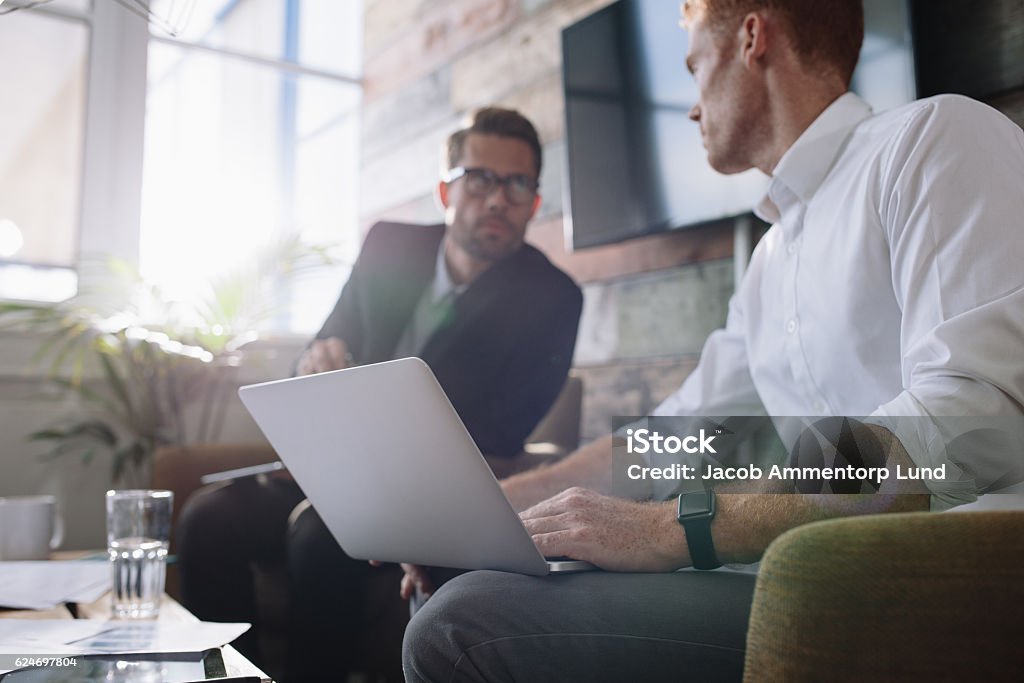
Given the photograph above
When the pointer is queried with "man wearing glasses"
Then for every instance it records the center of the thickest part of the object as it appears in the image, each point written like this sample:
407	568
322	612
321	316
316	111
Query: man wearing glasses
496	322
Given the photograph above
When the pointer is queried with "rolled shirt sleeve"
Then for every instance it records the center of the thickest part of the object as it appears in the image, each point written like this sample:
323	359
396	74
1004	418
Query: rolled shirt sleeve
952	204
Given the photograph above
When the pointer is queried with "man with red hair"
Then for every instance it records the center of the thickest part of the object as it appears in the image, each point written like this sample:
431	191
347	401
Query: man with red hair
889	286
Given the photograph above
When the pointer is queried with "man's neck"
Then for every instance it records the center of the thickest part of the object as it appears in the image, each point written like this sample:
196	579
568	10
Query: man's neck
463	267
793	107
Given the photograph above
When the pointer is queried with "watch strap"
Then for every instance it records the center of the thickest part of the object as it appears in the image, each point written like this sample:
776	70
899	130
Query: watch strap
698	531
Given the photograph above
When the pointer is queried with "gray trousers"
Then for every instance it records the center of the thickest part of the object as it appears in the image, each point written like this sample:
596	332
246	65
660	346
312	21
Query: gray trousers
591	626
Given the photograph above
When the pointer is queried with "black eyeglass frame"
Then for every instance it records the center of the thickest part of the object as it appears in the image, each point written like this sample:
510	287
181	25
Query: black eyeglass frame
494	181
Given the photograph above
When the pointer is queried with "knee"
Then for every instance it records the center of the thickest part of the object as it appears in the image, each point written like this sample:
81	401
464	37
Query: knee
307	533
428	653
200	524
312	552
445	628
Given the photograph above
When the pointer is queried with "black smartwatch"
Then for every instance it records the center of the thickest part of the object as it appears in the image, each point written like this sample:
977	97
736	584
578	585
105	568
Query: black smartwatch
695	511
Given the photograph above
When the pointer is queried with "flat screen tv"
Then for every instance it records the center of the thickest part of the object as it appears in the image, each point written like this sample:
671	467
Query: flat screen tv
636	162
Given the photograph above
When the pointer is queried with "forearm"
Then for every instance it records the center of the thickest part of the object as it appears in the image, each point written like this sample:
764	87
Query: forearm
974	430
622	535
747	523
589	467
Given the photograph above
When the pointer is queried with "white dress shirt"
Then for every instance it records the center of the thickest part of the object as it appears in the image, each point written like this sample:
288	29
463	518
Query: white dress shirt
891	285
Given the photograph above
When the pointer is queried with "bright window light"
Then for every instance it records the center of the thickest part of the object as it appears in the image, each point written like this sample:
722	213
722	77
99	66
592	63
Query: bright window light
11	239
241	153
42	120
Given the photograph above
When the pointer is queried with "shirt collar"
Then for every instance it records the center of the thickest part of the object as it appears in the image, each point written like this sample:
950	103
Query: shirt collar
805	164
443	284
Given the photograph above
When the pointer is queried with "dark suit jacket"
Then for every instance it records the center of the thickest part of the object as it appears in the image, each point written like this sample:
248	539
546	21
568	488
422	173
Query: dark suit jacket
501	358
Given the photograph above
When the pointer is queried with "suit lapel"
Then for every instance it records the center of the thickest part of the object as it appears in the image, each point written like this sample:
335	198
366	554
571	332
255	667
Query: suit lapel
403	292
480	298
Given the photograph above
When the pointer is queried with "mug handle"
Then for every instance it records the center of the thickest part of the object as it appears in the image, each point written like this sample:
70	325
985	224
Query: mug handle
58	531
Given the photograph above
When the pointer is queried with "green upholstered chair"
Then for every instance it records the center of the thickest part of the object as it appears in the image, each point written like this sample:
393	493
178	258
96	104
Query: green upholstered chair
902	597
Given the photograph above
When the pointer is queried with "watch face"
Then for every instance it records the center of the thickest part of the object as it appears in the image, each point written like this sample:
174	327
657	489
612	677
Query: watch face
696	504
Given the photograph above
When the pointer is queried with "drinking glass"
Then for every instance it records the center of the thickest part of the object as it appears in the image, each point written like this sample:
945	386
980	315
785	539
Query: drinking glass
138	533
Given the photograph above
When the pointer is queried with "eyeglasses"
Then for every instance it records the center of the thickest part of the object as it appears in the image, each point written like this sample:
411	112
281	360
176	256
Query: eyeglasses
480	182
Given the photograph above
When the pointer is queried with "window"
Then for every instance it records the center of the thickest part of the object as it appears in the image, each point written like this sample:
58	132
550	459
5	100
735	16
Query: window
241	130
251	132
43	117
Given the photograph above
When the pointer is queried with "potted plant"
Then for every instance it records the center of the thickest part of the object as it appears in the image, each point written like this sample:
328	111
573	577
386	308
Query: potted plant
136	360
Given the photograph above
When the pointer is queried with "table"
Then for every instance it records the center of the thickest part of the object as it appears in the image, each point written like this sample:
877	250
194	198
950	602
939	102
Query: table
170	609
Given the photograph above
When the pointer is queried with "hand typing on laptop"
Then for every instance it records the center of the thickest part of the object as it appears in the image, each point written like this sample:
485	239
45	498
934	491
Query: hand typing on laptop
608	532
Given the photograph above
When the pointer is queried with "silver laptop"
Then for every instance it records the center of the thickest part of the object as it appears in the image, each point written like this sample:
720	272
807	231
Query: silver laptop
386	461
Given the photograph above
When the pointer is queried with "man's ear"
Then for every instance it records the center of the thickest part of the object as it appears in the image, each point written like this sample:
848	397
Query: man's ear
442	194
536	205
753	39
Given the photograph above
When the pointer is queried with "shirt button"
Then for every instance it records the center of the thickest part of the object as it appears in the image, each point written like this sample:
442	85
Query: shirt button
791	249
820	406
791	326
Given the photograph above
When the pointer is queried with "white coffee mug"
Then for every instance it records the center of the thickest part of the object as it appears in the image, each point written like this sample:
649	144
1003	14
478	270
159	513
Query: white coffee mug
29	527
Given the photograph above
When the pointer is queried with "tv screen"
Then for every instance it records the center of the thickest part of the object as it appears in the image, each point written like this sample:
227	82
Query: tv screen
636	162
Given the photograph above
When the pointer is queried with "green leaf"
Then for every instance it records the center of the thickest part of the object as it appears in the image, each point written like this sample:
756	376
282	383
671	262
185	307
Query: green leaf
96	430
116	384
55	337
134	453
86	392
47	434
73	337
72	445
16	307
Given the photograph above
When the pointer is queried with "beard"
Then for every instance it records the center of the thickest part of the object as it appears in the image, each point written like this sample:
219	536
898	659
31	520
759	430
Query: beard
489	244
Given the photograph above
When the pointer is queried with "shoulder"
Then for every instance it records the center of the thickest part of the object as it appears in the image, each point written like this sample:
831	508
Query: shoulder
946	110
902	152
400	245
536	272
937	108
527	279
406	234
955	123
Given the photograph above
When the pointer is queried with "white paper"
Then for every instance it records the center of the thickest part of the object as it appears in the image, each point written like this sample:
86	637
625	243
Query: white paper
43	585
39	636
89	636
